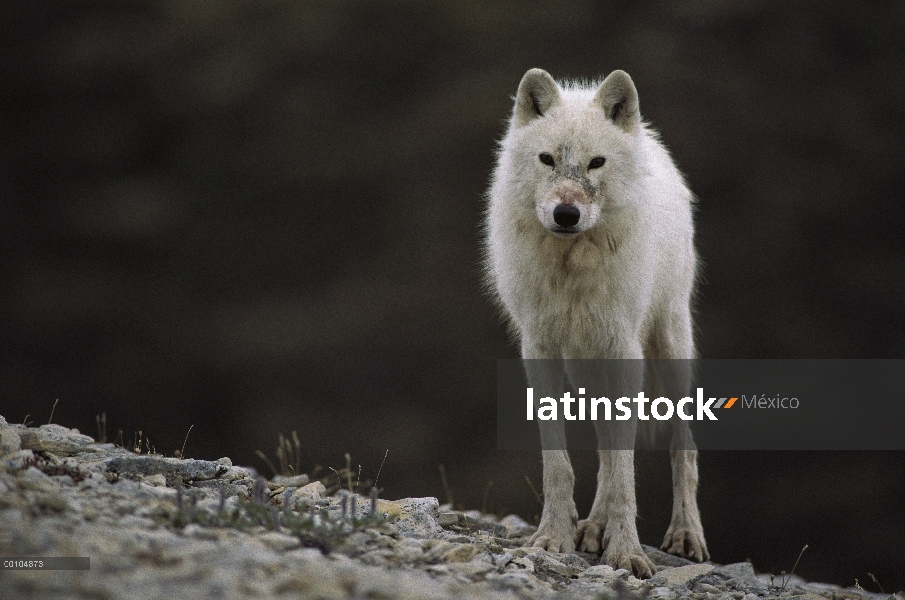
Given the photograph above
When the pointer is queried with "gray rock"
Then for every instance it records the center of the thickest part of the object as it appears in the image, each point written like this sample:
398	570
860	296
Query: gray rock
10	441
54	438
546	564
665	559
573	560
171	468
448	519
416	517
682	575
600	571
461	522
294	481
516	526
312	491
822	587
741	570
478	566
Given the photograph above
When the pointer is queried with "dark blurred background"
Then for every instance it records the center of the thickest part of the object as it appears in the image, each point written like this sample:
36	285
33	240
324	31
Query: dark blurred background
260	217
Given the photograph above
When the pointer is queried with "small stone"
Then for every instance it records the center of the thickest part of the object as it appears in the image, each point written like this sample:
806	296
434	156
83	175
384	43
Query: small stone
237	473
574	561
417	517
681	575
461	553
515	580
545	562
291	481
448	519
10	441
661	592
663	559
740	570
225	461
823	587
480	565
501	559
605	571
524	564
312	491
516	526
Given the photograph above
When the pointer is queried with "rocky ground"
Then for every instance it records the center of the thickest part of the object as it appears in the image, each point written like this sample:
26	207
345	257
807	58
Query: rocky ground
157	527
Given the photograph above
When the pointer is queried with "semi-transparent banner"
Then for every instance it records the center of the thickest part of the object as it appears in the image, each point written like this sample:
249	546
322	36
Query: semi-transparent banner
710	404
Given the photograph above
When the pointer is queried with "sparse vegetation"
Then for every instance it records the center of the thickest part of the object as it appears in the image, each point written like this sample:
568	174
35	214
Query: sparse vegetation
314	525
786	579
289	455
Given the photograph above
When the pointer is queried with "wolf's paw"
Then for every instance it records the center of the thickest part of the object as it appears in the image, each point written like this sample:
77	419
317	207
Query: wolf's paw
686	541
633	559
588	535
555	535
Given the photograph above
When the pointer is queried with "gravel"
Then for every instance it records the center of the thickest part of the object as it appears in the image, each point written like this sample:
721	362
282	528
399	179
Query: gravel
157	527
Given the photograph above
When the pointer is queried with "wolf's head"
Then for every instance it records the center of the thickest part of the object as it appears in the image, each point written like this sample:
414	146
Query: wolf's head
575	147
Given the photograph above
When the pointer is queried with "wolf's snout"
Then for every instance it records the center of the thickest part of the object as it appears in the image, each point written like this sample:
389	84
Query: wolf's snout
566	215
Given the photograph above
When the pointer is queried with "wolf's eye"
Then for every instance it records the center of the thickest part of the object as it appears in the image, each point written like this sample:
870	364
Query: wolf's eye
546	158
596	162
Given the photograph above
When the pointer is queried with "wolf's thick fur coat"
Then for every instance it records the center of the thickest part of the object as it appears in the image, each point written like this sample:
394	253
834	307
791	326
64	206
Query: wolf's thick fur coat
589	250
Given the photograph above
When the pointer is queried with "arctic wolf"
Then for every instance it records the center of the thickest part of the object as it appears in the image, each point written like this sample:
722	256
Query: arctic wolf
589	250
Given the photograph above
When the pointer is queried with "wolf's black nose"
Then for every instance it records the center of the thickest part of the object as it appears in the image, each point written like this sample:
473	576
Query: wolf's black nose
566	215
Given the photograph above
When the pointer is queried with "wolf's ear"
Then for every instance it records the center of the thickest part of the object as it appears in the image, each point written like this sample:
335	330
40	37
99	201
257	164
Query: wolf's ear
537	93
618	98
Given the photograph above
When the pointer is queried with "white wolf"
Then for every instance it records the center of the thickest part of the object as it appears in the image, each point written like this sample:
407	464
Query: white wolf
589	250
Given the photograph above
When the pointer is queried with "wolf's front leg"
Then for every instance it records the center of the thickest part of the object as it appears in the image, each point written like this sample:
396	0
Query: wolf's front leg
590	530
556	532
589	537
611	525
685	536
